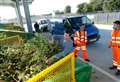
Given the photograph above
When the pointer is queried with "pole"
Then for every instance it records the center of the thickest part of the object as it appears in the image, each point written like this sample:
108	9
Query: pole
18	13
27	15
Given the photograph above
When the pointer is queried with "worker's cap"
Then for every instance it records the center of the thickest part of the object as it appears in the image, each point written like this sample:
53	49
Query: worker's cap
116	24
81	24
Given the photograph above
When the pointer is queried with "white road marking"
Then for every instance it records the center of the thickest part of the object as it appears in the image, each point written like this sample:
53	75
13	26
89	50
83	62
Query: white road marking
102	71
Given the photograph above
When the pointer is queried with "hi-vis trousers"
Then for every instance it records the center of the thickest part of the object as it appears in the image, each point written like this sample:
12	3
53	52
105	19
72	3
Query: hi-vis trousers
84	51
116	55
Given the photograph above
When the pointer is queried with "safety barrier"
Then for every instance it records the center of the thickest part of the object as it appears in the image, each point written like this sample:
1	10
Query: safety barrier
11	40
61	71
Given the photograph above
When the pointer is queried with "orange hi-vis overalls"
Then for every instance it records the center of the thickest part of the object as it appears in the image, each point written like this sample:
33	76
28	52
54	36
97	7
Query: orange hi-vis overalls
115	44
80	40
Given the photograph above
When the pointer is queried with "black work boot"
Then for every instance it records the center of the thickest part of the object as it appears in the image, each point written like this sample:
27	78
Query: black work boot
113	67
87	60
117	72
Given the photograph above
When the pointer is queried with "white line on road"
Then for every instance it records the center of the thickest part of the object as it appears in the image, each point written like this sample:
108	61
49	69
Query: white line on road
102	71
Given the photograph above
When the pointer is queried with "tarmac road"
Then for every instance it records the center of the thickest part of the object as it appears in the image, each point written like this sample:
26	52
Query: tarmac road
101	59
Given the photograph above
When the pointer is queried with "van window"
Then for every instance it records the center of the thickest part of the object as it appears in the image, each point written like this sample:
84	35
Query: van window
85	20
75	22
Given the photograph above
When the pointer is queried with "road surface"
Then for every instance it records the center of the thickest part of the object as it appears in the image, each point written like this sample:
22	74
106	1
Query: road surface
101	58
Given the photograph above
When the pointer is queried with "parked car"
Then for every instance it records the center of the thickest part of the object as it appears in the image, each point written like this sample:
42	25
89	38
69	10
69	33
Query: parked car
92	31
44	25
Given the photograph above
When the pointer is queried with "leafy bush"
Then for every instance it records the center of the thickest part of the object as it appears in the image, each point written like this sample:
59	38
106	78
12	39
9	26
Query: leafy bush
20	62
3	35
42	43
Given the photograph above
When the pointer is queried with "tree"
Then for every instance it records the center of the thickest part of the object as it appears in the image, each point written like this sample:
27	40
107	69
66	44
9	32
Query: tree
111	5
89	8
97	5
68	9
81	8
108	5
117	5
84	7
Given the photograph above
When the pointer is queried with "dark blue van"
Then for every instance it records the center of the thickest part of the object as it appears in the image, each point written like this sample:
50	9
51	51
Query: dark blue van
92	31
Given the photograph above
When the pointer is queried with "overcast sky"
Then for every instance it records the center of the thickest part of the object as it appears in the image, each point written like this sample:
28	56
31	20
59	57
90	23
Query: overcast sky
42	7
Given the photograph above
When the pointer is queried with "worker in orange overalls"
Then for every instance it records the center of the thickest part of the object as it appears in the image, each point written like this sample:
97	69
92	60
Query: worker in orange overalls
80	40
115	45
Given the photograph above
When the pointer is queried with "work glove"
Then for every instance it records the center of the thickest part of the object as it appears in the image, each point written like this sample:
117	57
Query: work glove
109	46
